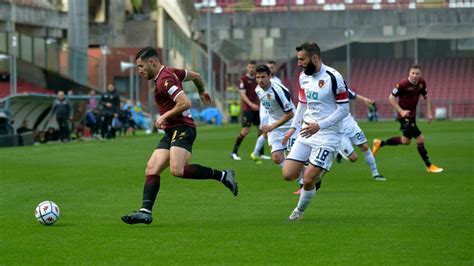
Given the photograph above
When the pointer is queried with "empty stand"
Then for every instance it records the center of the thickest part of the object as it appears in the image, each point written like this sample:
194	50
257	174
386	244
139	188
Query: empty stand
449	82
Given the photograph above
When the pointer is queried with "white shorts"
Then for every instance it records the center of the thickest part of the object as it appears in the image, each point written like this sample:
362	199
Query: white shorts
346	147
275	138
320	149
352	130
292	140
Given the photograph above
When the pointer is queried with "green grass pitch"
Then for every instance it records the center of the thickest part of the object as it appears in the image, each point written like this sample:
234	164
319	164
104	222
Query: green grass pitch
413	218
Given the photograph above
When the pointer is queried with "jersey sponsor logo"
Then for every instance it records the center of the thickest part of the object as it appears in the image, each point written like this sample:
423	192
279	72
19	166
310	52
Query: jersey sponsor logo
312	95
321	83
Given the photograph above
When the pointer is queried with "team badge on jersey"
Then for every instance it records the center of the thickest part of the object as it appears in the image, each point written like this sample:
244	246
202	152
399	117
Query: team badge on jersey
166	84
269	96
321	83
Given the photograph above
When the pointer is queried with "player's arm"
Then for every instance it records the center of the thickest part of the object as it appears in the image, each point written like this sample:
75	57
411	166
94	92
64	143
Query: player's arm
393	101
358	97
199	83
363	99
296	123
429	114
182	104
283	119
244	97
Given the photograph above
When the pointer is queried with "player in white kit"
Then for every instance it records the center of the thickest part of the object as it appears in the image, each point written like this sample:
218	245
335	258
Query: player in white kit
323	103
255	155
276	101
352	134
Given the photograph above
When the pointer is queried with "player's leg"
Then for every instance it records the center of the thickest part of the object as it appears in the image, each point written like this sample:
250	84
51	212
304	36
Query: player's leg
180	155
263	137
278	157
370	160
158	161
396	140
420	145
260	143
301	153
311	177
255	155
359	139
294	162
275	139
320	159
246	123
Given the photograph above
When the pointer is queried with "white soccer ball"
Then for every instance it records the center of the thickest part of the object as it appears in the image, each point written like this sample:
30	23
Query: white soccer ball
47	212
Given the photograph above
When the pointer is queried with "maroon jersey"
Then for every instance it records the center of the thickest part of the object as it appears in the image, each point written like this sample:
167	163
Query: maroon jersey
409	94
248	85
168	85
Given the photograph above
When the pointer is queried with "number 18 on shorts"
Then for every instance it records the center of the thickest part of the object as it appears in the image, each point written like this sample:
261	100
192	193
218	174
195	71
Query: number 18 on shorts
322	157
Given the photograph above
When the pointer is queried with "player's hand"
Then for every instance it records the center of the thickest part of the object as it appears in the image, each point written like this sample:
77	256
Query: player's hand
159	122
404	113
288	135
310	130
368	101
205	98
266	128
429	117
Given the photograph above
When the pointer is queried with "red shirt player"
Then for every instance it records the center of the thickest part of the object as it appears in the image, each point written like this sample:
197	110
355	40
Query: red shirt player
174	149
408	92
250	105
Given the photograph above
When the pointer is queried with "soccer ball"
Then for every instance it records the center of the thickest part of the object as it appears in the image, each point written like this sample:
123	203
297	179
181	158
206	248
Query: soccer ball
47	212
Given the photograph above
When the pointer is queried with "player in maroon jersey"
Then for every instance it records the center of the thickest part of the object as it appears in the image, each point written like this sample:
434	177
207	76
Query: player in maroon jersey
250	106
174	149
408	92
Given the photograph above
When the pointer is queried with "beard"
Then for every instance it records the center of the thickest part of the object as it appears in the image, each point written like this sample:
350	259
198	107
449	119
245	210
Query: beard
310	69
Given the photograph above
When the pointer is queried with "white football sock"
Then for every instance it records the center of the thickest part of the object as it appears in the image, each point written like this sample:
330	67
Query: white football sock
258	145
370	160
305	198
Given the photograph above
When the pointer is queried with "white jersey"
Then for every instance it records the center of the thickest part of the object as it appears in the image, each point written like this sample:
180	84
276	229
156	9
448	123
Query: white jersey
277	101
275	79
322	92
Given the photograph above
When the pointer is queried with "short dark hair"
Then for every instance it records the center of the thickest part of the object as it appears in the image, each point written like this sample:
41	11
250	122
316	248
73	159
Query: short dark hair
272	62
146	53
252	62
262	69
415	66
311	48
